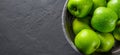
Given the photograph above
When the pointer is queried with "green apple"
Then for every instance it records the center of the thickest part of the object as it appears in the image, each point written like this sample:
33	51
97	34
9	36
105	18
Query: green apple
79	8
98	3
104	19
116	32
107	42
115	5
79	24
87	41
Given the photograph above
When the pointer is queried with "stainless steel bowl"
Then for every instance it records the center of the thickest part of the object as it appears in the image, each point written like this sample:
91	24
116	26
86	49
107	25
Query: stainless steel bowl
67	19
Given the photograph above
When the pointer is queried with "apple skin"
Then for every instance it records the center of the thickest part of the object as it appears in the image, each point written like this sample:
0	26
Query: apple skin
79	24
104	19
116	32
98	3
107	42
87	41
79	8
115	5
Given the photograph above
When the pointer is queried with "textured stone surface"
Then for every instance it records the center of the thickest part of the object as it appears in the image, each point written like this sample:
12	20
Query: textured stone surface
32	27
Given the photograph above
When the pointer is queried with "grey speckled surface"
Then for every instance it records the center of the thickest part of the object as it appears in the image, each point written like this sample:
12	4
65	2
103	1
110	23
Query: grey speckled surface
32	27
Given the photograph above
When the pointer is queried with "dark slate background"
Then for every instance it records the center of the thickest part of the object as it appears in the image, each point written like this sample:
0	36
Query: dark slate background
32	27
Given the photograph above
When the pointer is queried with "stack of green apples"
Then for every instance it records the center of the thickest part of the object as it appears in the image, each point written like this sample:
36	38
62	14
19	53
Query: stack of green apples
96	24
